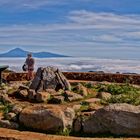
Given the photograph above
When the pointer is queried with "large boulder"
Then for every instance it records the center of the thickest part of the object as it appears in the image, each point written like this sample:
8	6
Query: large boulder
49	78
47	118
118	119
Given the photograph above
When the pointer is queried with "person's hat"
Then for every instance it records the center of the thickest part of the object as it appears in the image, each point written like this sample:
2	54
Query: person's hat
29	54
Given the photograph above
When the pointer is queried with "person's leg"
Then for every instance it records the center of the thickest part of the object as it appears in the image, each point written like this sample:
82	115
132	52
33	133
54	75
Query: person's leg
30	75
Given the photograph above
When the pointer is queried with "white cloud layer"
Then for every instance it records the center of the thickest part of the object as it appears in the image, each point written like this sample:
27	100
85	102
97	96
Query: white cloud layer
84	30
28	4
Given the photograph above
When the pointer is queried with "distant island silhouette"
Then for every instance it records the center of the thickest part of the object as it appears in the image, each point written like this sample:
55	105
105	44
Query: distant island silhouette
18	52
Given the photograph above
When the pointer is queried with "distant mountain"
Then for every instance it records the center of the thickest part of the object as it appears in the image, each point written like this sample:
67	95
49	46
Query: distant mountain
17	52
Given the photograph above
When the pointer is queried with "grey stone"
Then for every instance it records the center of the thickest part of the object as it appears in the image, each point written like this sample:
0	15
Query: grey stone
118	119
49	78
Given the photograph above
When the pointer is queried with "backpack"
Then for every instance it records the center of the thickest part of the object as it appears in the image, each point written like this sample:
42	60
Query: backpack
25	67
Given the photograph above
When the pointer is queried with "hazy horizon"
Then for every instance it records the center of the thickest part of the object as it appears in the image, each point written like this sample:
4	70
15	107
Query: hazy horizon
78	64
103	55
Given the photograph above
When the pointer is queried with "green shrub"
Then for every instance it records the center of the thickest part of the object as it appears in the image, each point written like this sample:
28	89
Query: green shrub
65	132
124	93
88	85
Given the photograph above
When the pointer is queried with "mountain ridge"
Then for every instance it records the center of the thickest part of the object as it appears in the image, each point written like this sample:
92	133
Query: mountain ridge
18	52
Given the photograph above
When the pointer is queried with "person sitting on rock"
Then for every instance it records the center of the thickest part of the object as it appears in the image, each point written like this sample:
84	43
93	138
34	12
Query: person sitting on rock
30	62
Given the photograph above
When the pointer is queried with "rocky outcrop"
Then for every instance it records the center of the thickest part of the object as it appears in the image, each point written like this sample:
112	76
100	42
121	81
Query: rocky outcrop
118	119
47	118
49	78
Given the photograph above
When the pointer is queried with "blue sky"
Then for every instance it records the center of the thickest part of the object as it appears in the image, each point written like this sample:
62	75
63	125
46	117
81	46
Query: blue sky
98	28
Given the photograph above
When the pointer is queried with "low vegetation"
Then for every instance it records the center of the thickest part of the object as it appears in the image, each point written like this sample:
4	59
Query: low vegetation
121	93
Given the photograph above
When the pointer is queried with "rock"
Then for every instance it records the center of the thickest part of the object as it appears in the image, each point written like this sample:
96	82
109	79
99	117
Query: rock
79	122
57	99
31	94
51	91
23	93
76	107
104	95
11	91
69	115
60	91
92	92
47	118
8	124
16	109
5	99
49	78
118	119
93	128
11	116
14	85
77	125
23	87
93	100
4	91
71	96
81	90
42	96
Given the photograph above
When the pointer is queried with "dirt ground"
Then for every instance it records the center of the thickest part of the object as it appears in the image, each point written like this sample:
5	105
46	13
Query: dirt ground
7	134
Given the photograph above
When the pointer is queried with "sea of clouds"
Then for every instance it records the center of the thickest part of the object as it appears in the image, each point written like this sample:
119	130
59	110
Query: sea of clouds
78	64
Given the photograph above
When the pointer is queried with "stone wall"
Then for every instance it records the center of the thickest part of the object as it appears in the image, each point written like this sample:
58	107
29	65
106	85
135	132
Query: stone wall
109	77
86	76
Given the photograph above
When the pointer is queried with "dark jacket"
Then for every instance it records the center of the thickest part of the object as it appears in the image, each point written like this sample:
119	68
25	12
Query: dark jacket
30	63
